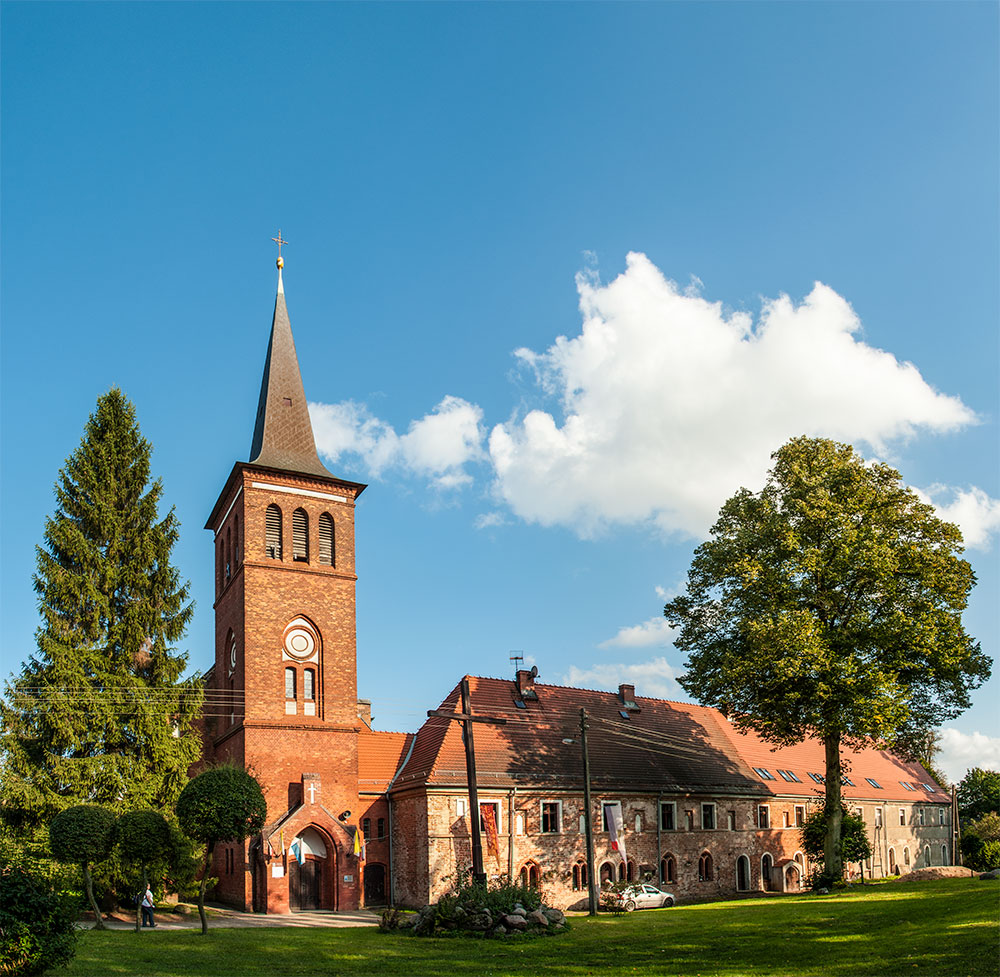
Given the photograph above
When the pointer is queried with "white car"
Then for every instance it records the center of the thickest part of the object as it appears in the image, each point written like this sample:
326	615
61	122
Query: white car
644	896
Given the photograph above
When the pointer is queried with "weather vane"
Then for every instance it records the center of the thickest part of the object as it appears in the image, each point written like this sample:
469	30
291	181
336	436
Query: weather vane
279	240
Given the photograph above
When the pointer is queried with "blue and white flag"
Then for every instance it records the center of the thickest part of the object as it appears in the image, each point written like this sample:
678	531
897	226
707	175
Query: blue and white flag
296	849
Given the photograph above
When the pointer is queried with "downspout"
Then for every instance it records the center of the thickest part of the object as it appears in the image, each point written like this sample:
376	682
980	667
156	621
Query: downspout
659	839
390	895
510	833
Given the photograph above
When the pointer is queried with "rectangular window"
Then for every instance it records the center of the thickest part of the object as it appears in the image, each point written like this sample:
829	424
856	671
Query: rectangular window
495	805
902	816
930	789
818	777
708	817
763	773
920	816
519	824
941	821
604	813
668	815
366	828
878	817
460	807
907	786
800	815
763	816
786	819
309	684
289	683
847	780
381	827
551	817
874	783
789	776
731	820
689	818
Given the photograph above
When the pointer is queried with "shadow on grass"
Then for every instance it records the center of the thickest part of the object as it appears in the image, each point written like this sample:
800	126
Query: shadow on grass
944	928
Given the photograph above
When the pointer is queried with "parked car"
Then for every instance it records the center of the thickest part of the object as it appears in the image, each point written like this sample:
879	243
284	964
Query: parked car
642	896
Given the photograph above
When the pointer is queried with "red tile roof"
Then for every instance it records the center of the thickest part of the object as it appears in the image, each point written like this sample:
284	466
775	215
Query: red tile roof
380	755
661	745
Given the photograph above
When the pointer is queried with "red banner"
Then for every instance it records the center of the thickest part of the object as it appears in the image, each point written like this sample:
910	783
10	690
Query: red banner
492	839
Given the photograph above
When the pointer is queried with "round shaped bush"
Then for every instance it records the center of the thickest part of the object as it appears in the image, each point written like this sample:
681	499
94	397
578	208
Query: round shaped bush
222	804
82	834
143	836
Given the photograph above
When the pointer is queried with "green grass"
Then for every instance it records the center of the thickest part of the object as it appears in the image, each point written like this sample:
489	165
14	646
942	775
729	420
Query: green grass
946	928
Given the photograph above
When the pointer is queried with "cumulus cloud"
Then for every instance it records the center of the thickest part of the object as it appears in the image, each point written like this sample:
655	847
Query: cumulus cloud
960	751
438	446
655	631
668	402
655	678
977	515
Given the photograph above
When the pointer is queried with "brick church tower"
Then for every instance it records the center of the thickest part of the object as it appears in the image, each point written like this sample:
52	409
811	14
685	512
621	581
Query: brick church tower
284	685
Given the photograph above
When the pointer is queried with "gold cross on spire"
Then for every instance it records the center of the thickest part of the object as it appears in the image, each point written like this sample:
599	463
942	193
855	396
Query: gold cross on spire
279	240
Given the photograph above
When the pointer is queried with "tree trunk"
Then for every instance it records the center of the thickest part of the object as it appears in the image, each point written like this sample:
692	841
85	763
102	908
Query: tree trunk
201	888
833	864
89	886
138	902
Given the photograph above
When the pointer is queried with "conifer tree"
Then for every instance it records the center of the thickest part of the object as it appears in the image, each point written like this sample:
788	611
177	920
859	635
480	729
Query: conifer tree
99	714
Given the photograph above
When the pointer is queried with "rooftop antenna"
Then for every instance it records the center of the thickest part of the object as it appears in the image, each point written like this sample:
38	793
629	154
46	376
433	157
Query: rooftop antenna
517	658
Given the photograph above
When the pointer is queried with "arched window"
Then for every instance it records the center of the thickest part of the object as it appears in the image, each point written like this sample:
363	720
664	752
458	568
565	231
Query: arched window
576	878
906	856
309	684
607	873
944	855
289	683
534	877
892	860
236	541
630	871
927	855
584	877
219	563
742	873
668	869
766	865
300	536
272	532
621	871
705	868
327	549
229	551
523	877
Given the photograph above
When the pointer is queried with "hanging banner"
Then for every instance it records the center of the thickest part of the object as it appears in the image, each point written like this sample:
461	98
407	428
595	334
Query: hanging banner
616	829
492	838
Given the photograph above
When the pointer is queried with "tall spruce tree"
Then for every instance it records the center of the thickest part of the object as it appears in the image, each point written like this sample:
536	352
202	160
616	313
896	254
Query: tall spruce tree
99	714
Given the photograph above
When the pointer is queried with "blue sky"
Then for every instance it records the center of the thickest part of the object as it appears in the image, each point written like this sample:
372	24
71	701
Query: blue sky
663	185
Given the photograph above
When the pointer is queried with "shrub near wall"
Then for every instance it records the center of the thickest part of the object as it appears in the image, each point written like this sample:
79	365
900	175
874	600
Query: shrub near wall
37	926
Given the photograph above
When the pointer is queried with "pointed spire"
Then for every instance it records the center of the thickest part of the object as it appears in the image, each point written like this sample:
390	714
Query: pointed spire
283	435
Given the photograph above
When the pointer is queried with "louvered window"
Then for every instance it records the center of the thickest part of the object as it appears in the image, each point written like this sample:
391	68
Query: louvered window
326	545
272	541
300	536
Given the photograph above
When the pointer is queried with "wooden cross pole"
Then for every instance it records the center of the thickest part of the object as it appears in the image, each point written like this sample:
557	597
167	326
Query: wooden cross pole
467	720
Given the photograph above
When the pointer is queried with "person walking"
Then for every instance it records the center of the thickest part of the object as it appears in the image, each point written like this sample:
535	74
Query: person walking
147	908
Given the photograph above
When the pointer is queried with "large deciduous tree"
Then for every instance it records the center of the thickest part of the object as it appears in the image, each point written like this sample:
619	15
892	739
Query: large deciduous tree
978	793
221	804
829	605
99	714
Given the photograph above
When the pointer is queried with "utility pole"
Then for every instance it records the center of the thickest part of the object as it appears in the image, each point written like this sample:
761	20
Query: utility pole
588	826
466	718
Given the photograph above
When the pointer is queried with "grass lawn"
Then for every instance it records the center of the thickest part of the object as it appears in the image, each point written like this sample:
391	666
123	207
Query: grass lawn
946	928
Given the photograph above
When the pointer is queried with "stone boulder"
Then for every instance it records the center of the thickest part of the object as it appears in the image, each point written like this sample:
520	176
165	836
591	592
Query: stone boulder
514	921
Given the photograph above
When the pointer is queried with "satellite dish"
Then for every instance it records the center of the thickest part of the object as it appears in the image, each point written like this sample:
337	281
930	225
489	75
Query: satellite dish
534	671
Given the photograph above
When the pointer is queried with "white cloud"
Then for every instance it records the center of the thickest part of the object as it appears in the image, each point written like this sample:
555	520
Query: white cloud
655	678
977	515
960	751
669	403
655	631
438	446
490	520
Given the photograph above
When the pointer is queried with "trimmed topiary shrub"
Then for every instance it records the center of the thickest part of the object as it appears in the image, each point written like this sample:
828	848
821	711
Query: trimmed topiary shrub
82	835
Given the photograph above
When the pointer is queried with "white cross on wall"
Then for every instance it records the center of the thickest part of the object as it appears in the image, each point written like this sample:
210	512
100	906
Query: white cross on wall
312	793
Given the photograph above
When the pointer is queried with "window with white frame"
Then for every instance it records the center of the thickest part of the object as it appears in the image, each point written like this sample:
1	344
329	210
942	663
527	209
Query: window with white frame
460	807
941	820
604	813
763	816
800	815
495	805
551	817
878	817
920	816
668	815
519	824
902	815
708	817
